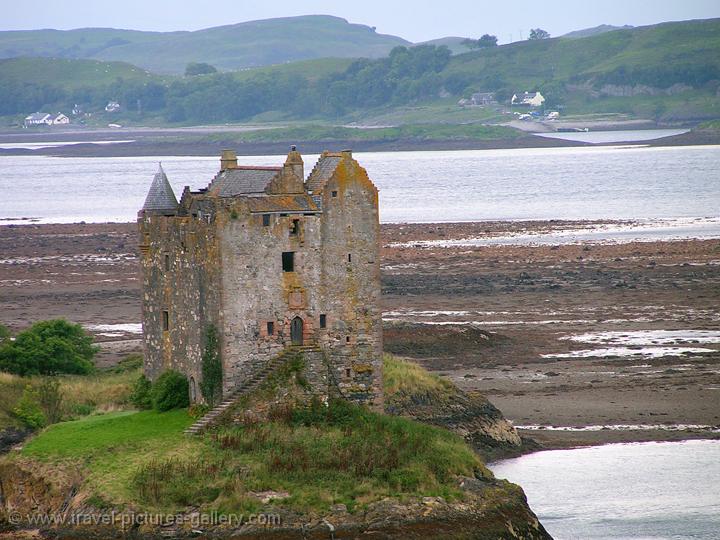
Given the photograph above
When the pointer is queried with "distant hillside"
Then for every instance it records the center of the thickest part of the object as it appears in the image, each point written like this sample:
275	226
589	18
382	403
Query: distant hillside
601	29
662	55
667	71
453	43
69	74
237	46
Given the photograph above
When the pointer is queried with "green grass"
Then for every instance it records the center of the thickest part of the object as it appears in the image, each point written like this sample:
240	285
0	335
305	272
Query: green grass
105	391
404	376
70	74
103	433
332	133
712	125
320	455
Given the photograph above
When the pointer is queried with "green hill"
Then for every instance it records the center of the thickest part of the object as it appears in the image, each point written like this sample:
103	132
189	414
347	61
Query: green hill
237	46
69	74
660	55
668	71
595	30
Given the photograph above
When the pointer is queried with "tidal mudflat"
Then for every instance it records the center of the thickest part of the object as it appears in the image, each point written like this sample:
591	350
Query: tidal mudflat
509	320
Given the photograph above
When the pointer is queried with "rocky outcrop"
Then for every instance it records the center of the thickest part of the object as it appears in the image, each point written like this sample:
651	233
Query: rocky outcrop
491	509
468	414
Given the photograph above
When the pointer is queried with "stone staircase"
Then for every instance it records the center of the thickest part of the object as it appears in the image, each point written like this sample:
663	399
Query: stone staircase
246	387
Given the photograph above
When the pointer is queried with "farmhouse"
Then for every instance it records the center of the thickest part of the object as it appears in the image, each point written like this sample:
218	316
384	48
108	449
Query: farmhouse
532	99
273	261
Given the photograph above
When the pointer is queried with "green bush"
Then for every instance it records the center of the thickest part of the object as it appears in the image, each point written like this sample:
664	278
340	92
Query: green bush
141	396
28	410
50	398
49	348
170	391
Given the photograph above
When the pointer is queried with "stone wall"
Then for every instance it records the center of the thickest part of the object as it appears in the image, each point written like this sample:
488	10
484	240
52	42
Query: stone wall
225	267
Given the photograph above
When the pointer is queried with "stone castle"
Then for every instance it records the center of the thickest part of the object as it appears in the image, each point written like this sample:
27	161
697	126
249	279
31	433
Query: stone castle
275	262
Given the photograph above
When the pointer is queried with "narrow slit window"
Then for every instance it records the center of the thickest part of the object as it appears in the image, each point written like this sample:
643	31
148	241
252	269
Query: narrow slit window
167	262
288	261
323	320
270	328
347	339
266	220
349	257
348	372
295	227
166	320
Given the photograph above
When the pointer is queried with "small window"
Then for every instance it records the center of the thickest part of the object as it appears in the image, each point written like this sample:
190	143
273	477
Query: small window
323	320
270	328
266	220
288	261
349	257
348	372
167	261
295	227
166	320
334	193
347	339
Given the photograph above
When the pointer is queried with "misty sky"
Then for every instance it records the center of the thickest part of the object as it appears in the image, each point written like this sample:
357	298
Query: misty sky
415	20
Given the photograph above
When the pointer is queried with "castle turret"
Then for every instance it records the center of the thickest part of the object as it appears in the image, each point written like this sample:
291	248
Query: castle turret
160	198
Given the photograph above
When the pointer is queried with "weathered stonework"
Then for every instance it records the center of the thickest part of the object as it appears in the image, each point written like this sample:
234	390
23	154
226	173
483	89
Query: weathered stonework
216	258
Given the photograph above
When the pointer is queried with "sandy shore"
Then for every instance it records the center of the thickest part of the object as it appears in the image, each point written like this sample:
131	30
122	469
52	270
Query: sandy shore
520	323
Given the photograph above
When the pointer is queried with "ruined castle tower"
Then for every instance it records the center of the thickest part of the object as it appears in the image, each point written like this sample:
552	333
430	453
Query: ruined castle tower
273	261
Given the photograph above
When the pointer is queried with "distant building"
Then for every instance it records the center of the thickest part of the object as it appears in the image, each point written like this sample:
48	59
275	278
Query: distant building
478	99
38	119
481	99
531	99
112	106
59	119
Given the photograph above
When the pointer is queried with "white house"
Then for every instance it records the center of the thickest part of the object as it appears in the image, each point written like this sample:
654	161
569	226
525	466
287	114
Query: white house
112	106
533	99
58	119
38	119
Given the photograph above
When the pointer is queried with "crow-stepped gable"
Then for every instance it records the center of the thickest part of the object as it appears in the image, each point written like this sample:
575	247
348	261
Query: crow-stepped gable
275	262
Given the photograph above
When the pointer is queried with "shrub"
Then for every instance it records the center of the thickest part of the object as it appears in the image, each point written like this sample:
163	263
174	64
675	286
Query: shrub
130	363
28	410
141	396
177	481
170	391
50	398
198	410
4	333
49	348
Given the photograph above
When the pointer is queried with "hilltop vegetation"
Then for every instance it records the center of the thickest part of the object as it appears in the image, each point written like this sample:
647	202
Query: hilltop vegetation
669	70
231	47
306	459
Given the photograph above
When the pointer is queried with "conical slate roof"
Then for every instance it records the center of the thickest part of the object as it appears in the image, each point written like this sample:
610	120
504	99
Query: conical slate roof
161	195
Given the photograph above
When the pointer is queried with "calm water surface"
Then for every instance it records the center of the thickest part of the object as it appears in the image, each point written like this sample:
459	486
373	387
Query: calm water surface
623	491
558	183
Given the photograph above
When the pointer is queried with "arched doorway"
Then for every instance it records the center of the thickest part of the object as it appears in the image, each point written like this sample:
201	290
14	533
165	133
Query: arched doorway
193	390
296	331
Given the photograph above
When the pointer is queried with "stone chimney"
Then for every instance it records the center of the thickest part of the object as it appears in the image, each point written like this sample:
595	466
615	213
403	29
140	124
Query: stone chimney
295	163
228	160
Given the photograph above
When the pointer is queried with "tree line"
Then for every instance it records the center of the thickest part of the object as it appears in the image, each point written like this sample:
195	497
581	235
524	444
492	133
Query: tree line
407	74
